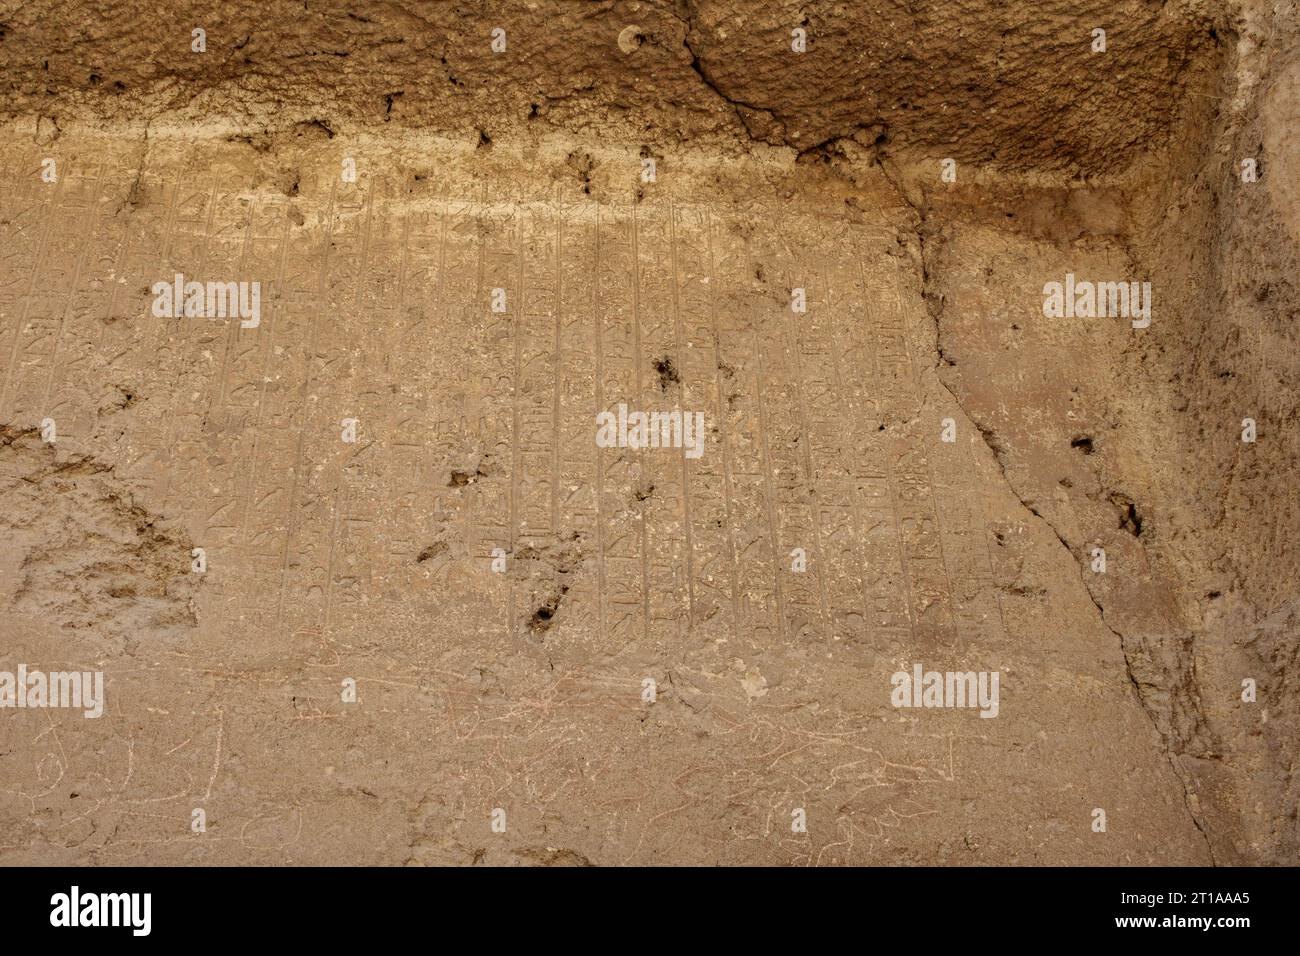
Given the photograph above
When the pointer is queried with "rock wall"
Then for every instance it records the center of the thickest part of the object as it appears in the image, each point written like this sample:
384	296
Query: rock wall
1226	249
1013	84
1122	162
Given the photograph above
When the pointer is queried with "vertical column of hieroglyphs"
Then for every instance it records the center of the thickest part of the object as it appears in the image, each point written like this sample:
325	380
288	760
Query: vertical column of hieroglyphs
834	435
203	254
161	352
203	477
25	221
205	454
863	457
922	545
334	432
712	557
318	452
976	606
957	495
126	344
736	307
403	362
235	408
341	499
958	489
785	268
280	367
162	359
67	395
143	212
816	410
482	342
56	269
663	490
367	542
494	316
536	431
228	432
574	399
621	475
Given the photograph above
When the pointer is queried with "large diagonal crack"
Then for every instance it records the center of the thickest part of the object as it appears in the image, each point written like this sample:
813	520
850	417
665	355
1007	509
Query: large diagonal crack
924	231
697	66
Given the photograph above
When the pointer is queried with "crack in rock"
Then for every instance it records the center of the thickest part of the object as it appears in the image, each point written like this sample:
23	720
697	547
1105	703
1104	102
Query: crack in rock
925	230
